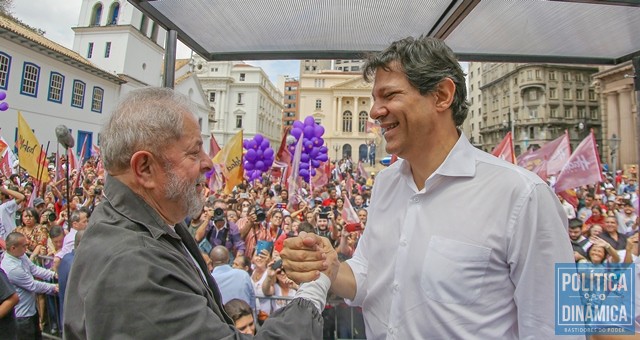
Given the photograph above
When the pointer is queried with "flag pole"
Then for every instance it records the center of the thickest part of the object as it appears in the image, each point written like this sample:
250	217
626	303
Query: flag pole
41	167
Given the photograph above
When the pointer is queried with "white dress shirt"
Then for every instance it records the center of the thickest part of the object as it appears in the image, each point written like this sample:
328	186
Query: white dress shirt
471	256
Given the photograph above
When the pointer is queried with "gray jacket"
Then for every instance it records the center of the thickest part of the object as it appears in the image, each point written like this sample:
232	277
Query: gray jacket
132	278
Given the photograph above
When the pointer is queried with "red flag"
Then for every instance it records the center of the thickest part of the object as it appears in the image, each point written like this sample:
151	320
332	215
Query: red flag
570	196
71	160
283	154
549	159
349	215
322	175
504	150
582	168
5	167
79	162
214	148
95	150
292	181
3	146
361	171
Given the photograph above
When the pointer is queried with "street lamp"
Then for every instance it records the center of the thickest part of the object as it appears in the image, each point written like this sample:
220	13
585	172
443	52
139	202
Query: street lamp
336	148
614	143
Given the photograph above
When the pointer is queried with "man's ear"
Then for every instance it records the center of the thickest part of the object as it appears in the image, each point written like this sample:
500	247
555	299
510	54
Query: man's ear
145	168
444	94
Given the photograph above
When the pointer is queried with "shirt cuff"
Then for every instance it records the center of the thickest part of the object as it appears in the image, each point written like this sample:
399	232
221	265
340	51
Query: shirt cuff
315	291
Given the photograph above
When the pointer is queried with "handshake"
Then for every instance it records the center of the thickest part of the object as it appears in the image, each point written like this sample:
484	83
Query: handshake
307	255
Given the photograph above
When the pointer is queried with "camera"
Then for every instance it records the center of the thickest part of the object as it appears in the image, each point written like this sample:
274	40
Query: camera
218	215
97	191
78	192
260	215
51	217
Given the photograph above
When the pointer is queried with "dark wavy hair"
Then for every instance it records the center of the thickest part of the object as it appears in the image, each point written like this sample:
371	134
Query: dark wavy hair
426	62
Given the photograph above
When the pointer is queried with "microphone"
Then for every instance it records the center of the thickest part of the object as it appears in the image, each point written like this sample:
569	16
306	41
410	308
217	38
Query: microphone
64	137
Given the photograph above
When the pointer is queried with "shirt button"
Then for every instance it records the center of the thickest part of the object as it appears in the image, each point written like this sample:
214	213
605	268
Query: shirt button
390	330
403	242
396	287
415	200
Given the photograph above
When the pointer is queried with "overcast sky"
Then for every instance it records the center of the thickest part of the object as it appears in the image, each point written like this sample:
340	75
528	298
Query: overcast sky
56	17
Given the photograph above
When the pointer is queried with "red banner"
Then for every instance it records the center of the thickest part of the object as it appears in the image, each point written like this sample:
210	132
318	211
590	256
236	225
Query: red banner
504	150
582	168
549	159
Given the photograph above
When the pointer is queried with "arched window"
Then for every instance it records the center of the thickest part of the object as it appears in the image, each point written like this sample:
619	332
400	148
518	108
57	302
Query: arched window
144	23
114	11
347	118
96	15
346	151
362	153
362	121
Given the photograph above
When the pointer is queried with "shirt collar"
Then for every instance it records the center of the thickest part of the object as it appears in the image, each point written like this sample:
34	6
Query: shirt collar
221	269
133	207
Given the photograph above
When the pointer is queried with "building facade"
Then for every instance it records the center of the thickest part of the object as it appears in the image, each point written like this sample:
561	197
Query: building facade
241	97
341	101
291	99
619	105
473	123
537	102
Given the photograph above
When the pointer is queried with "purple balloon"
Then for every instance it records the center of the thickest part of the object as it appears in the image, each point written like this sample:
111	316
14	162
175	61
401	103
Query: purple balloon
304	173
298	125
318	130
309	121
308	131
313	172
313	154
315	163
264	144
324	149
292	148
307	144
322	157
248	165
268	162
4	106
319	142
259	154
304	165
296	132
258	138
3	95
304	157
268	154
245	143
251	155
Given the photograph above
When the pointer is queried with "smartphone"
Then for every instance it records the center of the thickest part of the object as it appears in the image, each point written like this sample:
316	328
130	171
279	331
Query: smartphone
279	205
78	192
277	264
262	245
352	227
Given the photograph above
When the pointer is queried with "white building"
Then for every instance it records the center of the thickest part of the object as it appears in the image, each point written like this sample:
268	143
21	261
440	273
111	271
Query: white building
241	96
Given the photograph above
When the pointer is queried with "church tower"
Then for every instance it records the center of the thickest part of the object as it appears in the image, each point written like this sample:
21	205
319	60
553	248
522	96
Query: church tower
118	38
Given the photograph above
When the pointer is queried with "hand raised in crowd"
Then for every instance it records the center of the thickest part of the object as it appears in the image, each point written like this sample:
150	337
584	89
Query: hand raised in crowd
632	241
306	255
599	242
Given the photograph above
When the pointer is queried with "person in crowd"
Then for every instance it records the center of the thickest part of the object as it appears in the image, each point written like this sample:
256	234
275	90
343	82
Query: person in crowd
363	215
600	252
63	271
8	301
220	231
242	316
253	230
259	275
39	205
627	219
153	155
37	235
233	283
595	230
358	202
56	239
278	284
568	208
79	220
243	263
22	274
579	243
200	221
10	201
597	217
585	211
611	235
481	274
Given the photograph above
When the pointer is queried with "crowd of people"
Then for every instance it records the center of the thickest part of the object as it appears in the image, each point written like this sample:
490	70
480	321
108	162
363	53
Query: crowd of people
160	249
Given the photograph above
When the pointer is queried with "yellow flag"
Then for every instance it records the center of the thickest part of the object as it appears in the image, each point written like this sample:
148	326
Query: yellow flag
231	159
30	154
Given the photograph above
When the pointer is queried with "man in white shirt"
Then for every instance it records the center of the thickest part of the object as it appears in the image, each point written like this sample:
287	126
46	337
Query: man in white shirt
8	207
424	268
79	221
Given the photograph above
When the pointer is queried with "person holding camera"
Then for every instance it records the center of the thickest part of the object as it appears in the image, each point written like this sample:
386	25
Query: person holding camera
79	221
9	205
221	232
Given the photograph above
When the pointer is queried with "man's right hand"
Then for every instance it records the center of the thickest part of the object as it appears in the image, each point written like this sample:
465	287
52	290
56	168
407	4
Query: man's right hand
306	255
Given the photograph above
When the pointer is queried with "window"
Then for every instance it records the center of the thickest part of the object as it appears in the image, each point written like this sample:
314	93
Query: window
107	49
56	85
553	94
582	112
96	15
567	112
362	121
77	99
593	111
347	118
114	11
96	102
214	69
592	94
579	94
553	112
242	76
533	94
529	75
552	75
5	63
355	68
30	76
238	122
579	77
538	74
90	51
565	76
533	113
212	97
240	95
566	94
318	104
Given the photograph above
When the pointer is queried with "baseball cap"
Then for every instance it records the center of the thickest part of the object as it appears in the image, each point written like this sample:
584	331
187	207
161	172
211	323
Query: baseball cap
37	201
